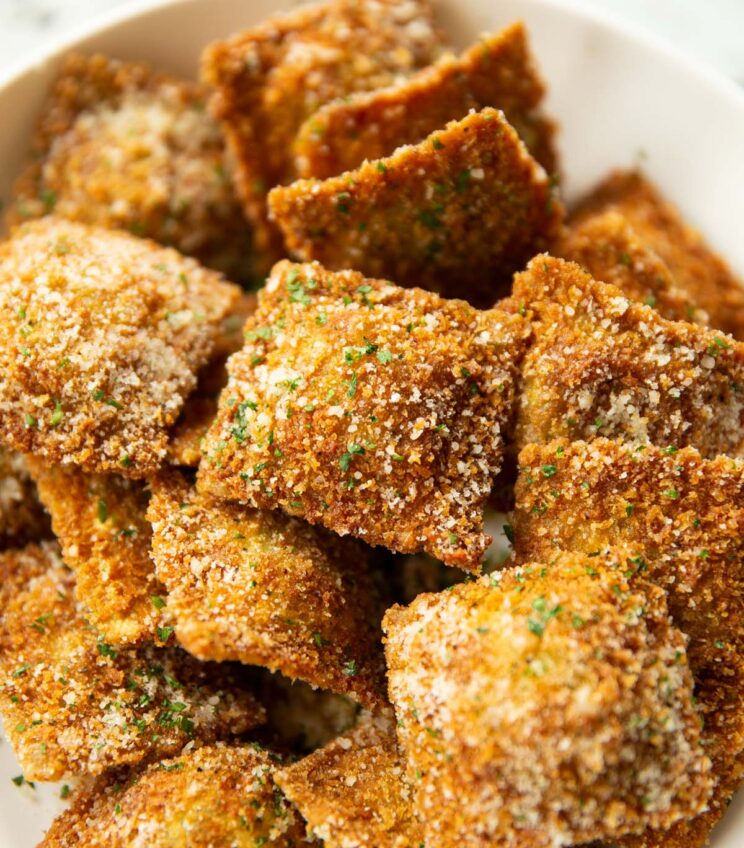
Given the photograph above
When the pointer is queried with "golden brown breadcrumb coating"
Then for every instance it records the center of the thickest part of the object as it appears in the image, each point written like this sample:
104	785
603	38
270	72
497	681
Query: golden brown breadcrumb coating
688	833
99	520
681	519
607	246
103	334
188	433
71	703
265	589
269	79
210	797
22	517
546	705
498	70
458	212
704	277
354	792
200	409
601	365
120	146
373	410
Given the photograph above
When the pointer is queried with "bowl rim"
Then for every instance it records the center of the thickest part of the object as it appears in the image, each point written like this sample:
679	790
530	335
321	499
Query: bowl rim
55	47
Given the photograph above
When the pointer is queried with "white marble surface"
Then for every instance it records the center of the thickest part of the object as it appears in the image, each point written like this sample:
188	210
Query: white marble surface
710	29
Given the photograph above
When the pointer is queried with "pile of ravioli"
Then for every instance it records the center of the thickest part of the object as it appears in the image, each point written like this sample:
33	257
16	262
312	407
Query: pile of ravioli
247	596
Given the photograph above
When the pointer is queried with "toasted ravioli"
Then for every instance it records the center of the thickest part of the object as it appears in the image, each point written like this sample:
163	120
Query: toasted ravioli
22	517
353	791
498	71
373	410
72	703
99	520
458	212
204	798
681	520
600	365
120	146
548	705
607	246
103	334
200	408
269	79
697	271
265	589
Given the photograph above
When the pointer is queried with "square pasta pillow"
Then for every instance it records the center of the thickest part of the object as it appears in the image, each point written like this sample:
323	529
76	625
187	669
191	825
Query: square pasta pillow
545	706
103	334
374	410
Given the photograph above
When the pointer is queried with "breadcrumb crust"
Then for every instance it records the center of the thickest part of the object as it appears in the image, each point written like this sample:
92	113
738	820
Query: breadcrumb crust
547	705
123	147
373	410
700	273
457	213
681	520
266	589
103	335
269	79
353	792
498	70
73	704
204	798
200	408
99	521
608	247
601	365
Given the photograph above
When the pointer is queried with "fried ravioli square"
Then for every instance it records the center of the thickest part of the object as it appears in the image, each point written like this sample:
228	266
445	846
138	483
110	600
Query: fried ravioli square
99	521
72	703
373	410
269	79
266	589
546	705
498	70
608	247
200	409
353	791
697	271
601	365
680	519
208	797
457	213
123	147
103	335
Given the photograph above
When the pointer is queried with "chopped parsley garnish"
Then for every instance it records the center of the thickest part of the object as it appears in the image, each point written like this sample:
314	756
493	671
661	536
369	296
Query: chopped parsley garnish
352	450
57	415
106	650
350	668
164	633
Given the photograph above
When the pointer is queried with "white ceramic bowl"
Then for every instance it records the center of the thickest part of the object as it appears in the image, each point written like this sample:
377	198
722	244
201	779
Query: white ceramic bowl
620	97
